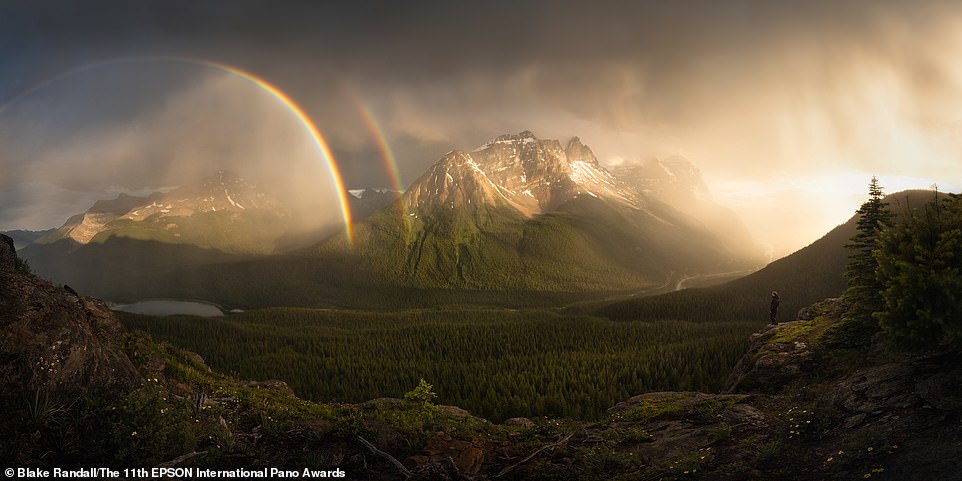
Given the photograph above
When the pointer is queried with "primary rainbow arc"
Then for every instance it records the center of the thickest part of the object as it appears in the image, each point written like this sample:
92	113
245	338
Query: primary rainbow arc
279	94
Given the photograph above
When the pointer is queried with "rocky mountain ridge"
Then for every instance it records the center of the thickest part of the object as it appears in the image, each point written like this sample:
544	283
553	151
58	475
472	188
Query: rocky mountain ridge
364	202
669	179
213	202
675	181
524	172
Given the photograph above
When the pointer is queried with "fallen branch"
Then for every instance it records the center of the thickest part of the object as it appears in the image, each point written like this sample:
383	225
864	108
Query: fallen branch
397	464
180	459
532	455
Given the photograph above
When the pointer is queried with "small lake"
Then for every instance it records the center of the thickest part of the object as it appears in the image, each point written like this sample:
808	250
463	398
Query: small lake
170	308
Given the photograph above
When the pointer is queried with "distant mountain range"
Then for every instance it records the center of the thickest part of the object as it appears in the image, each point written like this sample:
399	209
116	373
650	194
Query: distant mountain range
518	213
222	212
22	238
125	243
523	213
364	202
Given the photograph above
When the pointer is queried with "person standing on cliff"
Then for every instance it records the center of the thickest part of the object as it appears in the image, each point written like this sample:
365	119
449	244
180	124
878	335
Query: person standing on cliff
774	307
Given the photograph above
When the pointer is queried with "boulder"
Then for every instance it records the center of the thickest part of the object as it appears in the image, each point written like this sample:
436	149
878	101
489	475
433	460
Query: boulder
53	342
770	364
519	422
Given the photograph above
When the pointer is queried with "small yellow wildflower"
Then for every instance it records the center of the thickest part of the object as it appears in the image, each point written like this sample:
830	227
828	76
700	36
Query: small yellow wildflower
870	449
133	433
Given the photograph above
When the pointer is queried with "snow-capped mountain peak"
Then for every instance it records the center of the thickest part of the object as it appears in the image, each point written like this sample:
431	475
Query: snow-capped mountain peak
520	170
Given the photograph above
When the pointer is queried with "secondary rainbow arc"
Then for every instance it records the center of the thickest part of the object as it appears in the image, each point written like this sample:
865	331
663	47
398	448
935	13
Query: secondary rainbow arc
387	154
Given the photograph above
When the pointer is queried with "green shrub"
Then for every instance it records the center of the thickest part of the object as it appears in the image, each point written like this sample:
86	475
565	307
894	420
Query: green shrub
423	394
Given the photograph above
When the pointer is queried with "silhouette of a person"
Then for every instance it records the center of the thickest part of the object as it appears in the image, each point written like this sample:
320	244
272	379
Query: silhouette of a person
774	307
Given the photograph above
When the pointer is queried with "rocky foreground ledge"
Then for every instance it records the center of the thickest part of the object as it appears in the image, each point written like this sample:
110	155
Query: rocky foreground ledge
806	402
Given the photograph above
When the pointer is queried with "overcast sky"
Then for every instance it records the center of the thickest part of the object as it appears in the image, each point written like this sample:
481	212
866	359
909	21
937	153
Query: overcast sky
788	108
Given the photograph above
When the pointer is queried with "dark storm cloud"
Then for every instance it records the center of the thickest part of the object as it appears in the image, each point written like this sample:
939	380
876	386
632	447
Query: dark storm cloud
412	41
651	60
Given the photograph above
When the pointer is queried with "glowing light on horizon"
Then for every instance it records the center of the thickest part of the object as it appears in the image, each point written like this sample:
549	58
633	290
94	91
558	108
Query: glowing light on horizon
260	82
764	204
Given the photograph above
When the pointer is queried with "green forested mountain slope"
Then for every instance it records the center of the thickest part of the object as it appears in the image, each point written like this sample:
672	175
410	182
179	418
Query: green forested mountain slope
811	274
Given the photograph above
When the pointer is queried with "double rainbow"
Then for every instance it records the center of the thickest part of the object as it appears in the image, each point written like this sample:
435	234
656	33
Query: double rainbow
277	93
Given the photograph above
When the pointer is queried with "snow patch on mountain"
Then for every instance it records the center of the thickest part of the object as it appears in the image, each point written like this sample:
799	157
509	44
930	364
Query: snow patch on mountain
231	200
529	174
220	193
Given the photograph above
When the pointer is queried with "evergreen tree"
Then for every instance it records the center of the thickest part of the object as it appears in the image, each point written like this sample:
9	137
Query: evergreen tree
422	394
920	272
864	288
